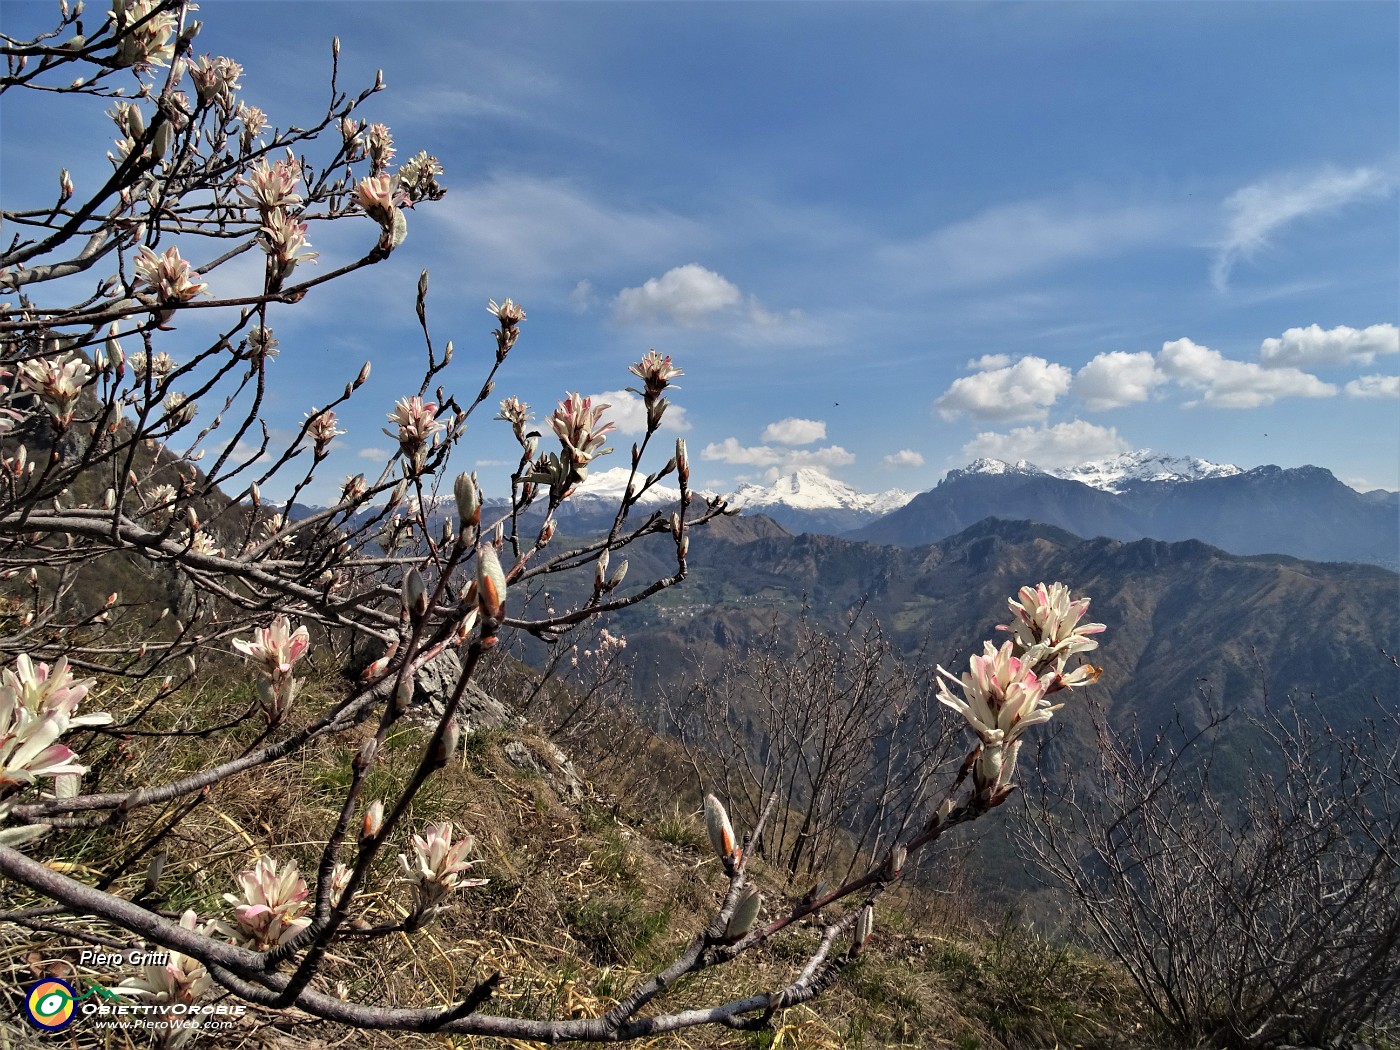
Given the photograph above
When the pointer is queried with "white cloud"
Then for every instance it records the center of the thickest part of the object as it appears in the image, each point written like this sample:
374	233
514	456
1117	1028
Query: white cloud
784	459
1315	346
794	431
1063	445
1234	384
1116	379
1013	239
581	298
380	454
686	294
1255	212
628	412
1374	387
1024	390
987	362
905	457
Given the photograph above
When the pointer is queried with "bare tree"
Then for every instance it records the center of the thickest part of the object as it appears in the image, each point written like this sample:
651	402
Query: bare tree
841	727
103	459
1258	923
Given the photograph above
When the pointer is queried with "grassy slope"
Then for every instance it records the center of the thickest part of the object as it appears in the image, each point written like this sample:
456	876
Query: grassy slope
584	896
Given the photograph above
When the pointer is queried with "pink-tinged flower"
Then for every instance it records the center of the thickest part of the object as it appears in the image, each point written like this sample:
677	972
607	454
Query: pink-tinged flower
216	79
578	424
38	704
168	275
376	195
58	384
275	649
417	426
253	120
418	177
656	372
145	33
1002	698
1047	628
437	867
322	428
286	243
517	414
270	187
181	979
381	147
271	907
159	365
508	313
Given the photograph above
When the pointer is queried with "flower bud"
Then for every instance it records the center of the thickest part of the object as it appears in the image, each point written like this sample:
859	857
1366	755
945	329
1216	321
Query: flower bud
865	925
373	821
154	870
364	375
720	830
894	863
600	571
745	913
365	755
468	500
447	744
415	593
490	582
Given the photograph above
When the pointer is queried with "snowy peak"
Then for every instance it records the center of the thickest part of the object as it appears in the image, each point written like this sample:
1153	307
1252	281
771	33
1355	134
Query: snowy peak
607	486
809	489
1116	473
1113	475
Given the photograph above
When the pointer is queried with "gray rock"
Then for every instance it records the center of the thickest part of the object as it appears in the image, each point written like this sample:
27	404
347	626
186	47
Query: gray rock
437	680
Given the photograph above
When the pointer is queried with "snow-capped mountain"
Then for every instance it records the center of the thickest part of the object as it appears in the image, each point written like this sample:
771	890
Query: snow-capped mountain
1302	511
809	501
1117	473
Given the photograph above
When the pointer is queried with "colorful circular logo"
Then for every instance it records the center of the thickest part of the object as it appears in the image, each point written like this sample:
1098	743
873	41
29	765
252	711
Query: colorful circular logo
50	1004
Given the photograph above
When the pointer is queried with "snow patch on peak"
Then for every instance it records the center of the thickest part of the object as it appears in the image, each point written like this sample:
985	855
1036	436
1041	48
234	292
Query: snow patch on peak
1143	465
810	489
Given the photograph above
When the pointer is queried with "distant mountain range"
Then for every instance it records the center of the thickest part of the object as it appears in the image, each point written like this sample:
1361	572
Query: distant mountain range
1183	616
1303	511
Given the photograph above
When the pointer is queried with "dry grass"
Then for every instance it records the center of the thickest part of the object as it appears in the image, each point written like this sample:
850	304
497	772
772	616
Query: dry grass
584	899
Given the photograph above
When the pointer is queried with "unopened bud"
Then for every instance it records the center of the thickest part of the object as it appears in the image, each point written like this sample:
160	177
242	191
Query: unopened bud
865	925
720	830
894	863
374	820
415	593
447	744
364	375
600	571
490	582
682	462
365	756
745	913
65	181
255	493
154	870
468	500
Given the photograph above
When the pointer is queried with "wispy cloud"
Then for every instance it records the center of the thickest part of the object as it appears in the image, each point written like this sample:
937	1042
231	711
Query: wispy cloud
534	229
731	451
1256	212
1010	240
1374	387
1062	445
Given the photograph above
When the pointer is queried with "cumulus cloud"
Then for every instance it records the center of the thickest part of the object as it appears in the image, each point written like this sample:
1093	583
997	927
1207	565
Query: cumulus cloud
628	412
1315	346
784	459
1255	212
1117	379
1024	390
1063	445
905	457
687	295
379	454
1374	387
987	362
581	298
792	431
1234	384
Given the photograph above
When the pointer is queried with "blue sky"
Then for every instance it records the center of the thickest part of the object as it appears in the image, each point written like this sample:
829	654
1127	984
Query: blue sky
881	239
